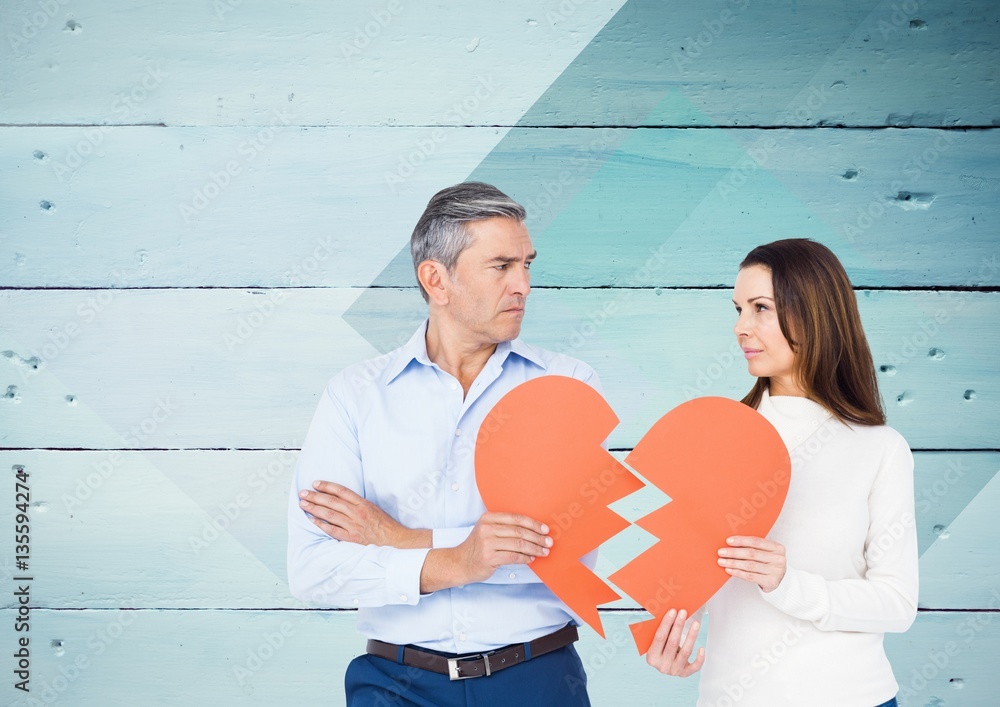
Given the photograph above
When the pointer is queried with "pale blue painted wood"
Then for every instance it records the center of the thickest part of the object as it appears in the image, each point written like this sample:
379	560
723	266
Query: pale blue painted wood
315	207
724	62
159	529
970	541
328	207
295	206
216	521
682	207
230	368
384	62
738	63
229	657
944	485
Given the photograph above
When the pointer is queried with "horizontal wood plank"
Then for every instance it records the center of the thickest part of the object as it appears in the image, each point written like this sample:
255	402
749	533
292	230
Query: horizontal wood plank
290	206
384	62
217	519
243	368
273	657
723	62
205	212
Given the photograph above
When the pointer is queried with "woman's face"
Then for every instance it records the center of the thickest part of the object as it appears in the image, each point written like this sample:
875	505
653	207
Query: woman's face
766	349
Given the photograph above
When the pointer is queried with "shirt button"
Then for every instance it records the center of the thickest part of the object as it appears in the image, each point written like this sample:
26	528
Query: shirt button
461	636
453	385
458	432
512	575
402	597
357	601
454	487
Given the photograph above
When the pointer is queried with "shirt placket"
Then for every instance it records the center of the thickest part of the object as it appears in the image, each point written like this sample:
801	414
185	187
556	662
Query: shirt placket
451	507
461	494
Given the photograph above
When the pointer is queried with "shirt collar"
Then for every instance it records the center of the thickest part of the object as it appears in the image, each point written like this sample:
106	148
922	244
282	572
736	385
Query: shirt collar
413	350
416	350
525	351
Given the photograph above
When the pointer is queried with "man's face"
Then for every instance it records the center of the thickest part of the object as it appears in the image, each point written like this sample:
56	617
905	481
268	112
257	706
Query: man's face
491	281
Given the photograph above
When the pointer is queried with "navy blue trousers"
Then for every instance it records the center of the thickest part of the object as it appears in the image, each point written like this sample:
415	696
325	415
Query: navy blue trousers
556	678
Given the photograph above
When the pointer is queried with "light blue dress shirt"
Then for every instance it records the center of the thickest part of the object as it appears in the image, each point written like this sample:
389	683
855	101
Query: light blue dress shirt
396	430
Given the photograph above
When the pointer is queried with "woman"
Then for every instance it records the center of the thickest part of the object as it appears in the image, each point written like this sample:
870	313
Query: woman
803	619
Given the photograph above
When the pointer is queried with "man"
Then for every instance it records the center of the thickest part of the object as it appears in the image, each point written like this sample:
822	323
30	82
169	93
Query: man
384	512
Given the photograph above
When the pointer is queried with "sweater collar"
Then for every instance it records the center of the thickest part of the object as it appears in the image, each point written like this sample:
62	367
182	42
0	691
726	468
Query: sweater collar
796	419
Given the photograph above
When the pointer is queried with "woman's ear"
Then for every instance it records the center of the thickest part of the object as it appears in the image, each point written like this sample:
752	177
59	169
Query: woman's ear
433	276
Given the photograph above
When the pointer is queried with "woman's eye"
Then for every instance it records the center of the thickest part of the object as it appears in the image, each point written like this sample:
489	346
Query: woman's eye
761	307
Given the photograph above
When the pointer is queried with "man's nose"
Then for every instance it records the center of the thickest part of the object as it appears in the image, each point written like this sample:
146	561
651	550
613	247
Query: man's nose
520	283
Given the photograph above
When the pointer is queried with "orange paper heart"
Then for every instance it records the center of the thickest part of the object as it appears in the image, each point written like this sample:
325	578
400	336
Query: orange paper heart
539	453
724	466
726	471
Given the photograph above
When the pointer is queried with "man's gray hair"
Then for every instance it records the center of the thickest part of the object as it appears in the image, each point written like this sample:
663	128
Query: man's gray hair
441	232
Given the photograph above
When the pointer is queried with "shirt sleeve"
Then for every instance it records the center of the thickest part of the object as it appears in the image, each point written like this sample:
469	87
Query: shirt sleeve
330	572
885	599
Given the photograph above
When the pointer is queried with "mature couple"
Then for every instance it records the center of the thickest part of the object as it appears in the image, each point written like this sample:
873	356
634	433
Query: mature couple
385	515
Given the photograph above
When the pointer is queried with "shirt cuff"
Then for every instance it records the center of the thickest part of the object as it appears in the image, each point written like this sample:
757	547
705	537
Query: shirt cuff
449	537
402	576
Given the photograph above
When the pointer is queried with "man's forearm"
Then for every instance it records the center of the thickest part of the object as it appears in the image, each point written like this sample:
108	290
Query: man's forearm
411	538
442	569
344	515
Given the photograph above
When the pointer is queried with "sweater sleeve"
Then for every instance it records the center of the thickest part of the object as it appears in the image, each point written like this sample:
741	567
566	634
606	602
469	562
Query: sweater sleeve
885	598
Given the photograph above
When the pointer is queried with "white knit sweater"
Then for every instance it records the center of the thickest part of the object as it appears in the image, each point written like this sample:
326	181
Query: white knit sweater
849	532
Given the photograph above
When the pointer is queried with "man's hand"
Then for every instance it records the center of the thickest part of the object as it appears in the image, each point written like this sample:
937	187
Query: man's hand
497	539
344	515
756	560
667	654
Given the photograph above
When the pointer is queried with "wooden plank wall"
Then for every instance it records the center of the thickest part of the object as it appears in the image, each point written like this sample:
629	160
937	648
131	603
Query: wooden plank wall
203	213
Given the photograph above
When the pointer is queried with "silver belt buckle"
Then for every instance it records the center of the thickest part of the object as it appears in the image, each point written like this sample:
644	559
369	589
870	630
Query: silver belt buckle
453	667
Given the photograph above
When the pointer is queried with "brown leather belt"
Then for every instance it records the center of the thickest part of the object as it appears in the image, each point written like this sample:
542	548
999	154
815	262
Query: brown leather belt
475	665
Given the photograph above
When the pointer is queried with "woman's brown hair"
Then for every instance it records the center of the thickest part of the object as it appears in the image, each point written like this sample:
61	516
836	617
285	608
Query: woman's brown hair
818	314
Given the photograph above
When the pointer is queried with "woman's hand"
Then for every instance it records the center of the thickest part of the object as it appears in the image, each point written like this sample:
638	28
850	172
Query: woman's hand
667	654
756	560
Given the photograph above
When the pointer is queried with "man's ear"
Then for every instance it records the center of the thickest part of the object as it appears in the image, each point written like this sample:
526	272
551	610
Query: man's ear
433	276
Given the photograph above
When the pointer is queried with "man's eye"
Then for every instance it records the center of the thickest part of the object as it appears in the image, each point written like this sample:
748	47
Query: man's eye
502	266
